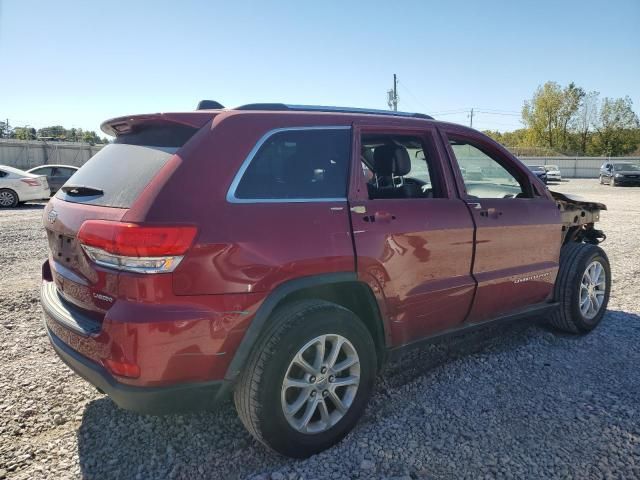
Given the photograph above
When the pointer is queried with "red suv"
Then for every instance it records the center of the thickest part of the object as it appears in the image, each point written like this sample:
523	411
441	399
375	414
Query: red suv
285	253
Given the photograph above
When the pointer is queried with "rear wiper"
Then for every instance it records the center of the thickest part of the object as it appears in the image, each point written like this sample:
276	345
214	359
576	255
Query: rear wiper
81	190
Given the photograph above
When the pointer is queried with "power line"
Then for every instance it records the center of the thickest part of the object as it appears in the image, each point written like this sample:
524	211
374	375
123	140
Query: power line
404	86
499	113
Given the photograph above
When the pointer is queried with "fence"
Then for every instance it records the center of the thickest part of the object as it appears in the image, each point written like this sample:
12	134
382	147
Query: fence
576	167
28	154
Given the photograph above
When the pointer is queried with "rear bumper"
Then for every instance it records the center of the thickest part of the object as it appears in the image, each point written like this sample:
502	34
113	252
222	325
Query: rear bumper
149	400
25	195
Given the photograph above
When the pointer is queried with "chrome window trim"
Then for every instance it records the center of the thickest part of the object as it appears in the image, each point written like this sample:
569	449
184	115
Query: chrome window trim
231	193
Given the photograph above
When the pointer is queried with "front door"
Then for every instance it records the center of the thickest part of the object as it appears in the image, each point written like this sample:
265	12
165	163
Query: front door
413	236
518	227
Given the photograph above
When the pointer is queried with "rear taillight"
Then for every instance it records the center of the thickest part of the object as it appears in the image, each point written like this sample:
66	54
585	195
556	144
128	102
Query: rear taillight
135	247
32	182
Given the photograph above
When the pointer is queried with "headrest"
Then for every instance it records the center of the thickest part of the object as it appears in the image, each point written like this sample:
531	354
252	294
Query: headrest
391	160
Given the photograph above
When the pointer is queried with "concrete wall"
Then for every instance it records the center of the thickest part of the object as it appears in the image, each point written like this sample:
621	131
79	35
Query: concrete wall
25	155
28	154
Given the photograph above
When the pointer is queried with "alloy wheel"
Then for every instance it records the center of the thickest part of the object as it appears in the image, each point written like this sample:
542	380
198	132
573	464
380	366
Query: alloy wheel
320	384
592	289
7	199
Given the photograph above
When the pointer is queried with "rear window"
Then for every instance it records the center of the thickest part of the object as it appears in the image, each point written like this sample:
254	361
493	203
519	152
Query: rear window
123	169
298	164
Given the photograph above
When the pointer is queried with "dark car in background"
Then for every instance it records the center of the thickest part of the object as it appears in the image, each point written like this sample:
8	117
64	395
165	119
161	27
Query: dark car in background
57	175
539	172
620	173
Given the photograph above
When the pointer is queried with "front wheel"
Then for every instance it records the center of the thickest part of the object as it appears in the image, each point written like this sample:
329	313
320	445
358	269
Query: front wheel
308	381
582	288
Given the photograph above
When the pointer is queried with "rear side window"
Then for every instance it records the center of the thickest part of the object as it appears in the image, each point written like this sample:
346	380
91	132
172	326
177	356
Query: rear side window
117	174
297	164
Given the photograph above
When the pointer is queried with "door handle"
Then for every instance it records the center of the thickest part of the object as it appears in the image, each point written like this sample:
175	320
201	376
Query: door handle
490	213
382	217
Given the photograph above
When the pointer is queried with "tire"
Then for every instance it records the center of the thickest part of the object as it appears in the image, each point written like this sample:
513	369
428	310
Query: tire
575	259
601	181
260	395
8	198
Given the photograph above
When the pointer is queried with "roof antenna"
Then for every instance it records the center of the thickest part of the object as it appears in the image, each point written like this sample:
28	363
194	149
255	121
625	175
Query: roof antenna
209	105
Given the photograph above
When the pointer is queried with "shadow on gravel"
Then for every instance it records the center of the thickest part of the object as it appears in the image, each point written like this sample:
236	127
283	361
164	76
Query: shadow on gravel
31	206
113	443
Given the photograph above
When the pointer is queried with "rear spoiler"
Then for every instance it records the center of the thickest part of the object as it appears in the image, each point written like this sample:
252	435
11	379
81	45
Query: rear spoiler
120	125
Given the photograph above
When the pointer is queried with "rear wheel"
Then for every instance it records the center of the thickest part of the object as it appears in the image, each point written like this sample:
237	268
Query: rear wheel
308	381
8	198
582	288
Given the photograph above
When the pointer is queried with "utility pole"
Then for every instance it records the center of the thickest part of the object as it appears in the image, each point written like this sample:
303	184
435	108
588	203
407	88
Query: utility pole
392	95
395	93
471	118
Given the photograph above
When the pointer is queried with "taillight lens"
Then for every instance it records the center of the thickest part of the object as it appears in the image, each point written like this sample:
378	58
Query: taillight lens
135	247
32	182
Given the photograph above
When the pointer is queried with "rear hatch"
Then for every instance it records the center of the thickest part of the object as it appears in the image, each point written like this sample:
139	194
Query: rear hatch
99	195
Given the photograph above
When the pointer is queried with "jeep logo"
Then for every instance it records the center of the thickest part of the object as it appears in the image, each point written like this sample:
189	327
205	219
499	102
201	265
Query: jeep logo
52	215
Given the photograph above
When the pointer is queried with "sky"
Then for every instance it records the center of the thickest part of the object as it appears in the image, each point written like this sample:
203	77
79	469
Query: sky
76	63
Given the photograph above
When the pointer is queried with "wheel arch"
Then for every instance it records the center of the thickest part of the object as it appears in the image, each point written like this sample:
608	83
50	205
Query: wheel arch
341	288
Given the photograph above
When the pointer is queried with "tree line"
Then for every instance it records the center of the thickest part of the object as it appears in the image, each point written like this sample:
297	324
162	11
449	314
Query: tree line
571	121
56	133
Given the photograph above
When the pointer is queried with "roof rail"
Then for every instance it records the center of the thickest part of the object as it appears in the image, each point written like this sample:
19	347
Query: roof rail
279	107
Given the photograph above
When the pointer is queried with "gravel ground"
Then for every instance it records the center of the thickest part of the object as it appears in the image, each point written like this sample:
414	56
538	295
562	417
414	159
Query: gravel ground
520	402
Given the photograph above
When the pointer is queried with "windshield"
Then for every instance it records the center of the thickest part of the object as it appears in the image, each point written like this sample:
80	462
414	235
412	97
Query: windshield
618	167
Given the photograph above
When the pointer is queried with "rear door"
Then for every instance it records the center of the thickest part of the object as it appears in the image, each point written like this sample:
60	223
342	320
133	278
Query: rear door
58	177
518	229
414	246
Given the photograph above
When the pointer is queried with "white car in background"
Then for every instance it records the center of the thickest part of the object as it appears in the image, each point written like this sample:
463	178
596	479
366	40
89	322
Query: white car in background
553	173
17	186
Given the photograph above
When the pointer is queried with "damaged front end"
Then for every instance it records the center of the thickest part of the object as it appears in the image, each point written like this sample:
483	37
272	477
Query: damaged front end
578	218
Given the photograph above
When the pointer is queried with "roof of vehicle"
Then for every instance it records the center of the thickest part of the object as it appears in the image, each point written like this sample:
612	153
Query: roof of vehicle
209	109
53	165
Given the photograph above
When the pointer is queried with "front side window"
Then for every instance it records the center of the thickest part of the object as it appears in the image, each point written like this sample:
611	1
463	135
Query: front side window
484	177
298	164
398	166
